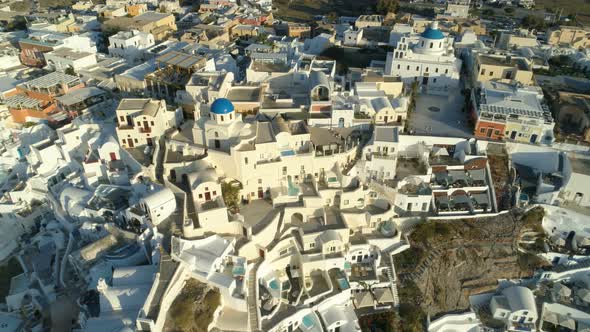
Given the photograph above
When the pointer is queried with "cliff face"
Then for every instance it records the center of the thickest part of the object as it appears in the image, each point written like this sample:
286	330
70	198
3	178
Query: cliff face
452	260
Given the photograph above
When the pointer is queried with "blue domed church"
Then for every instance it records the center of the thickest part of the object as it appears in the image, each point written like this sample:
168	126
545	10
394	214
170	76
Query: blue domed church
222	127
428	59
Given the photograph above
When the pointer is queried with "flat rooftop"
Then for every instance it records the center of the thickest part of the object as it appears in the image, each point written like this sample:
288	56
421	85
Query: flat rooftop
70	54
495	60
244	94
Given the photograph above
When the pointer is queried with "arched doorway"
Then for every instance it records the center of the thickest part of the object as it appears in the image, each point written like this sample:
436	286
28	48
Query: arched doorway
296	218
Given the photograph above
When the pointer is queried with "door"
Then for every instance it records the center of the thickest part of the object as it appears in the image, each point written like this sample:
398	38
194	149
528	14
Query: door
341	123
399	118
113	156
207	196
513	135
385	119
130	142
217	144
425	80
534	138
490	132
260	192
149	141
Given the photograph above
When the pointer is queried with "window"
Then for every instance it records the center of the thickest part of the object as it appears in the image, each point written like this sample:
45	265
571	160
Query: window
408	67
200	195
345	202
426	69
436	70
152	123
353	258
424	206
446	71
246	160
497	132
222	118
230	116
216	134
491	73
483	71
259	181
214	192
434	80
431	44
482	130
312	244
398	66
417	68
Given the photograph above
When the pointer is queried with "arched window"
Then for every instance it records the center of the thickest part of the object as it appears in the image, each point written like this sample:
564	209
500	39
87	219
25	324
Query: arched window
422	43
216	134
431	44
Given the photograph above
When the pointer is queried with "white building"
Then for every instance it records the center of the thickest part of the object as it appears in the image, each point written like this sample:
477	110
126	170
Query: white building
516	307
64	58
430	62
130	45
141	121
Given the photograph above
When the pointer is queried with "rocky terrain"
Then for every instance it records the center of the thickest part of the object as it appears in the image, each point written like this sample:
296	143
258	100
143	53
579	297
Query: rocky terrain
192	310
451	260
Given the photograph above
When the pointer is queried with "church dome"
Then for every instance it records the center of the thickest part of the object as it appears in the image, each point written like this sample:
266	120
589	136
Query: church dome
432	32
222	106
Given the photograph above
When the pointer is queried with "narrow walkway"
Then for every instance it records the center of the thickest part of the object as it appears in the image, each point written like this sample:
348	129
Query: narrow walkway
253	318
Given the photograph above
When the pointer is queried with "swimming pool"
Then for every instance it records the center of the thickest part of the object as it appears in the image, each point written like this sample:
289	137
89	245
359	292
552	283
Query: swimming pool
308	321
273	284
292	190
343	283
238	270
287	153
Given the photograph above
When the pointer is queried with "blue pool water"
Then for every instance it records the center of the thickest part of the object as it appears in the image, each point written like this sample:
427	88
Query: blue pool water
238	270
524	197
287	153
292	190
343	283
308	321
273	284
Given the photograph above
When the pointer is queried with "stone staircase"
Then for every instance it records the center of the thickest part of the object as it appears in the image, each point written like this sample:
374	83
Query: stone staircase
253	319
421	269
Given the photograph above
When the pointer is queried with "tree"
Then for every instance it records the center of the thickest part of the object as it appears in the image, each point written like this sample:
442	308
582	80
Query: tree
230	195
386	6
18	23
488	12
533	22
70	71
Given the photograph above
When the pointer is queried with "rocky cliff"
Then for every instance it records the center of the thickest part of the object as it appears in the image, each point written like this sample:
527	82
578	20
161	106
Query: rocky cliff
451	260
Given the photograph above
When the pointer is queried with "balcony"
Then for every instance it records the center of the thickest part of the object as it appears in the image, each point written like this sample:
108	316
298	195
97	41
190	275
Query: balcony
144	130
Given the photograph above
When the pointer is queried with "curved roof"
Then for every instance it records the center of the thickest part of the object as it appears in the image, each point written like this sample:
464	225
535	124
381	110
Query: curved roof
317	78
520	298
222	106
431	33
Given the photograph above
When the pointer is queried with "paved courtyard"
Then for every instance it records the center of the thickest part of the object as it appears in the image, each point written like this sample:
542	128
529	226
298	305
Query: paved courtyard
440	116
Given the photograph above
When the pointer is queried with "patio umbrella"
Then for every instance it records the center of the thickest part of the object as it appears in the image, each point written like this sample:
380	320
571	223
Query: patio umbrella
363	299
567	321
584	294
562	290
384	295
550	317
